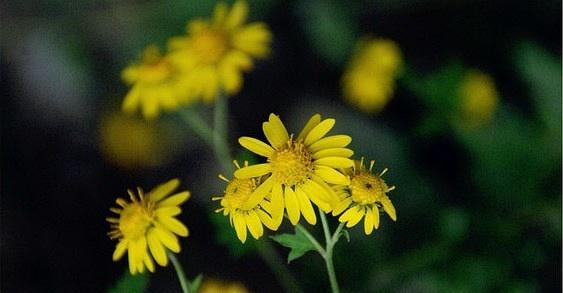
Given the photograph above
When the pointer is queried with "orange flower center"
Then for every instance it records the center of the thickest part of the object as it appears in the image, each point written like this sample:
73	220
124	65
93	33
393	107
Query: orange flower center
210	45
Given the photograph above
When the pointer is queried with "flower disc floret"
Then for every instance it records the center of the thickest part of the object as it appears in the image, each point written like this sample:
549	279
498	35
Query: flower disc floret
292	164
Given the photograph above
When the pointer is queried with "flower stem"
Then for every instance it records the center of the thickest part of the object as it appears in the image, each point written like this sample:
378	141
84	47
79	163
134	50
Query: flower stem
184	283
220	122
282	273
197	124
312	239
330	241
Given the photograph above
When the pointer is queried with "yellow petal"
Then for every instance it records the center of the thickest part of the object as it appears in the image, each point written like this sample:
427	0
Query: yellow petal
168	211
148	263
375	212
313	121
253	171
220	13
131	100
131	258
347	215
389	208
332	176
167	238
292	206
356	216
256	146
253	39
254	225
335	141
277	127
230	78
175	200
335	162
319	131
140	253
341	206
162	190
267	220
332	198
317	195
156	248
368	221
306	207
334	152
174	225
120	249
240	226
258	195
149	106
237	15
277	205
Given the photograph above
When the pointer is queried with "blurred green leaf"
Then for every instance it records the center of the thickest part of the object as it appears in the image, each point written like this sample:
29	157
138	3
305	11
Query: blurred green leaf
131	283
454	224
331	28
298	243
226	235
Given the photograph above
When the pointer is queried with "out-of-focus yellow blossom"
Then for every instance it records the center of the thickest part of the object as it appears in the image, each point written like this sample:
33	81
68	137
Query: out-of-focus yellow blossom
218	286
369	80
130	142
215	52
364	197
242	211
301	167
478	99
146	223
155	85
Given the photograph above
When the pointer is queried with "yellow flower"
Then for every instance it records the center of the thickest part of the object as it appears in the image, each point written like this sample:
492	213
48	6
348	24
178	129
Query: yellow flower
215	52
130	142
363	197
148	223
301	167
155	85
218	286
369	81
479	99
244	214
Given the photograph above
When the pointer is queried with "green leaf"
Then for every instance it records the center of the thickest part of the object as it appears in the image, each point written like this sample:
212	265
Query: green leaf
298	242
131	283
196	283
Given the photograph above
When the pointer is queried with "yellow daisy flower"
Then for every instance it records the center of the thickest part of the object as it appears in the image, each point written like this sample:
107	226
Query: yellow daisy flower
148	223
243	213
369	81
155	85
215	52
301	167
479	99
363	197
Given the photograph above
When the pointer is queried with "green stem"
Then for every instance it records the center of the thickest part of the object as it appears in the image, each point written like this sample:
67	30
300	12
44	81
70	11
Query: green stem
184	283
197	124
328	257
312	239
220	121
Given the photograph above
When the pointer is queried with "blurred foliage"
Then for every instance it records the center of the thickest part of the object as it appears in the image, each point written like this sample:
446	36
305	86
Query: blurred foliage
131	283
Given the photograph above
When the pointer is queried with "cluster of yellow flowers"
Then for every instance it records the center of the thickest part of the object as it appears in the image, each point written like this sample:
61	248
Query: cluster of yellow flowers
208	60
301	171
369	81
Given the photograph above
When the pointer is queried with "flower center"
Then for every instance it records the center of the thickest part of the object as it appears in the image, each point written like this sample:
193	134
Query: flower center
155	72
292	164
210	45
367	188
237	192
135	220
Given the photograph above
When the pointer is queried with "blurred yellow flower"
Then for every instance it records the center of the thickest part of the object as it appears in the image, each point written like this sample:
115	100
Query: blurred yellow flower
246	214
215	52
301	167
155	85
130	142
146	223
363	197
218	286
369	80
478	99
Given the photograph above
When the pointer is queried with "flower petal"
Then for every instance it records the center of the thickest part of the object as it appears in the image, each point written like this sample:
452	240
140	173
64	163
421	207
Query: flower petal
332	176
156	248
375	212
175	200
319	131
258	195
174	225
335	162
267	220
168	211
254	225
313	121
256	146
306	207
167	238
291	205
368	221
253	171
120	249
162	190
277	205
341	206
356	216
334	141
389	208
237	15
240	226
333	152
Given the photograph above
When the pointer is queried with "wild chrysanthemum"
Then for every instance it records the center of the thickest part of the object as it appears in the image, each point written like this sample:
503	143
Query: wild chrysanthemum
215	52
363	197
246	205
369	81
146	223
478	99
155	85
301	167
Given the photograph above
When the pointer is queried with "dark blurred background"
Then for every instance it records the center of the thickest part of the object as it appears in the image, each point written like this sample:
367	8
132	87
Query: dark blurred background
478	211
